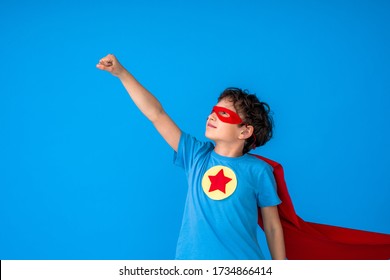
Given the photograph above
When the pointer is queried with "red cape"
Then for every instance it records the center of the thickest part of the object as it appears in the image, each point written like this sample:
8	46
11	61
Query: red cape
311	241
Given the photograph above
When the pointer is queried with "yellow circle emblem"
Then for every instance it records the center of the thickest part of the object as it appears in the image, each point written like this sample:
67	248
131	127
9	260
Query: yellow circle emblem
219	182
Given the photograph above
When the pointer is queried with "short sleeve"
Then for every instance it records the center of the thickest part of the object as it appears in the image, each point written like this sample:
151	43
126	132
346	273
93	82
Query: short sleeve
189	150
267	194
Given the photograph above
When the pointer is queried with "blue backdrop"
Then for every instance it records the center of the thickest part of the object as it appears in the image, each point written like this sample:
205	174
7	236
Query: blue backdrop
83	175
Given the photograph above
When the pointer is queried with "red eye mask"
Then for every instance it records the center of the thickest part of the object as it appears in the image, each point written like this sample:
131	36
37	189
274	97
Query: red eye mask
227	116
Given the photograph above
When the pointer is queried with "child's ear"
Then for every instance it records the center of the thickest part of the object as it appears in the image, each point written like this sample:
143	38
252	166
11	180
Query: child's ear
246	132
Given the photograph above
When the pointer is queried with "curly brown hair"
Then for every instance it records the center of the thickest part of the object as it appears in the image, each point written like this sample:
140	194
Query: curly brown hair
254	113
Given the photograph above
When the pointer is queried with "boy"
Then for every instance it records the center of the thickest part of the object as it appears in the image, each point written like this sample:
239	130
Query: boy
226	185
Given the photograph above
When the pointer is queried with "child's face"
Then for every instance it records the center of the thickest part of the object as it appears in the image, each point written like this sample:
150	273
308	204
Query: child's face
224	125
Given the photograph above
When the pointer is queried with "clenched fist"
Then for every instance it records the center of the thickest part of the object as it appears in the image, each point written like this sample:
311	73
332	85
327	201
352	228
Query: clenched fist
111	64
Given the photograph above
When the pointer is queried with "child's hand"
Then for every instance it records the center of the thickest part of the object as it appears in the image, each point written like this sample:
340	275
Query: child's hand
110	64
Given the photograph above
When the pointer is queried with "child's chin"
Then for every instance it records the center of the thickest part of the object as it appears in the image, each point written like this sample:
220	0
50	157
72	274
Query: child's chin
209	136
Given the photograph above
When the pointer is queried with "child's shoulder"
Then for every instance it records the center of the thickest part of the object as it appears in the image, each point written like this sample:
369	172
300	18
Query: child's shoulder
188	141
258	163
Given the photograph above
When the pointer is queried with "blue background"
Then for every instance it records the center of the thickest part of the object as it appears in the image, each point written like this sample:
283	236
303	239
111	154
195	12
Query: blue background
83	175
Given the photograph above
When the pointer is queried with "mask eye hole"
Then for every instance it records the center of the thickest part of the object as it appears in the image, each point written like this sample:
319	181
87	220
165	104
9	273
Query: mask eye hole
224	114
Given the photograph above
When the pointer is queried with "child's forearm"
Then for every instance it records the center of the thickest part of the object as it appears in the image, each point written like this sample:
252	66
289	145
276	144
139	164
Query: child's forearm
143	99
275	242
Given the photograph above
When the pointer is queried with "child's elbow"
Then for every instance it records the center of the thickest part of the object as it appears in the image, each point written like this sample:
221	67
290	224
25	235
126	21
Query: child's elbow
273	227
156	115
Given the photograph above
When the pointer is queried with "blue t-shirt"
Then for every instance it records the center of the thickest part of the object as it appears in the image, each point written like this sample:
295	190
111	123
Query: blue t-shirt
221	210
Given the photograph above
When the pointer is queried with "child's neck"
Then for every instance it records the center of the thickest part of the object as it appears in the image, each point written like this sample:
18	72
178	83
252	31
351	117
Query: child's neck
228	151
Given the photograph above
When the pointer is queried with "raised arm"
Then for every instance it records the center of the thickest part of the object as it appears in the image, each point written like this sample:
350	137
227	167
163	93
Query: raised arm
144	100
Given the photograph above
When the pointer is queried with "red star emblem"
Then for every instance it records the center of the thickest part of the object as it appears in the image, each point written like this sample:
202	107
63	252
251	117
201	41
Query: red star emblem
218	182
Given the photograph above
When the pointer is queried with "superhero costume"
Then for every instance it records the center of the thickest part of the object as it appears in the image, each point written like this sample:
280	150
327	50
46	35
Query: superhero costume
312	241
220	215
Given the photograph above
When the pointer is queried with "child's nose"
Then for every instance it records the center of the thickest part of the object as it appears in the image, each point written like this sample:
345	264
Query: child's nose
212	116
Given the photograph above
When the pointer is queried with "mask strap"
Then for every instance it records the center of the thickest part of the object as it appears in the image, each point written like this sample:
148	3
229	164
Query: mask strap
253	147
